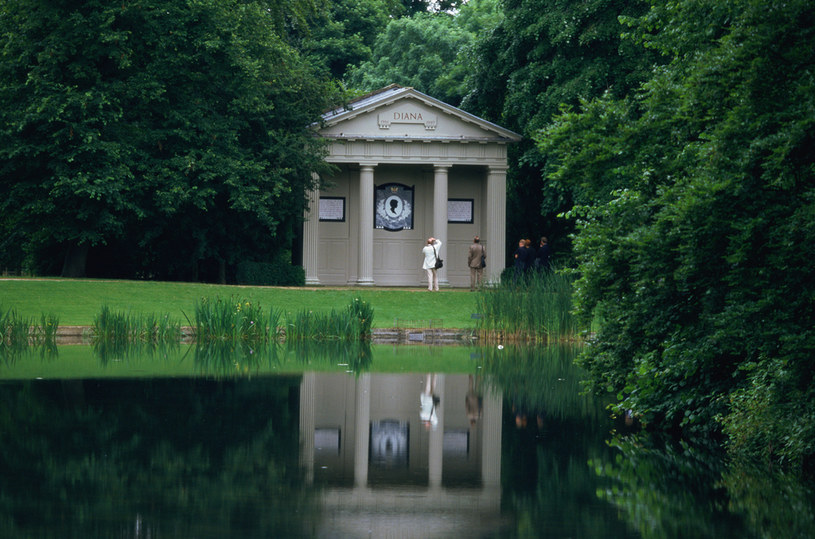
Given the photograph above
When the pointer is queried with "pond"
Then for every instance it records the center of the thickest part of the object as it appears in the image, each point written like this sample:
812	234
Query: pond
351	441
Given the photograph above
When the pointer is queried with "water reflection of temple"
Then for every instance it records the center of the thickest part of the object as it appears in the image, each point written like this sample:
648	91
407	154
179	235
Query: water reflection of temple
382	469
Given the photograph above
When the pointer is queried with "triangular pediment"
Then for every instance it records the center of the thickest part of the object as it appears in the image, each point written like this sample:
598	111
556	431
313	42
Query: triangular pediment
399	113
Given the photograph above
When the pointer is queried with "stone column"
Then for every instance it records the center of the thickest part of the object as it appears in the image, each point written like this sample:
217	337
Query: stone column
307	394
311	237
366	225
440	175
496	221
362	430
436	442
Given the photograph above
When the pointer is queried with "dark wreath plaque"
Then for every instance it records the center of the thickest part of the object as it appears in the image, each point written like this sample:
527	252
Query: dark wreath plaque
393	207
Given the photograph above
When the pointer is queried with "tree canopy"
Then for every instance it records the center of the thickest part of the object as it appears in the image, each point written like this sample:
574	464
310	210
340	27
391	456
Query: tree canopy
429	51
178	131
697	199
342	34
544	55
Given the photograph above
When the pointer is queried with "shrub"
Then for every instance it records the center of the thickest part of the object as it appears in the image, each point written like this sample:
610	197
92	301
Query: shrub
277	273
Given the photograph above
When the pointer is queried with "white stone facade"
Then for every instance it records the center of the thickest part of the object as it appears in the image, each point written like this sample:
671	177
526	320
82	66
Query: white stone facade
410	167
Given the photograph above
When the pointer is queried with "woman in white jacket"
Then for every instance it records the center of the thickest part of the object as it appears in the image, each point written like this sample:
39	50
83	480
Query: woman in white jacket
431	253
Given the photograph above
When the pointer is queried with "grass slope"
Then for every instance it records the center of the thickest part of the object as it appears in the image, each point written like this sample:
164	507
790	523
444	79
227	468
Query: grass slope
78	301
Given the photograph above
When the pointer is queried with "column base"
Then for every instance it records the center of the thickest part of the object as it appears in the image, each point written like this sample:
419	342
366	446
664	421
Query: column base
365	282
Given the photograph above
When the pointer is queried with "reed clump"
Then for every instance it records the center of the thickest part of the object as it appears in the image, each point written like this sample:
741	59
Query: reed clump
18	332
235	320
126	328
353	323
533	308
45	333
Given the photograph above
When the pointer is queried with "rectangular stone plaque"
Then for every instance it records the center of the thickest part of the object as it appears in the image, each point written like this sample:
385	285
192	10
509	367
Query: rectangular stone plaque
460	210
332	209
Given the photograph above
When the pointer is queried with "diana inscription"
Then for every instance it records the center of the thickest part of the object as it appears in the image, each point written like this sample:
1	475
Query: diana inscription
407	116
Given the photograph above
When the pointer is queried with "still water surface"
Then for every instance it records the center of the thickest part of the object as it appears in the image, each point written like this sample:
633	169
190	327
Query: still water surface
351	442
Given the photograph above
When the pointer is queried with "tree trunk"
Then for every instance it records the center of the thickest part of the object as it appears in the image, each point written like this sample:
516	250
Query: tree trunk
222	271
297	244
75	261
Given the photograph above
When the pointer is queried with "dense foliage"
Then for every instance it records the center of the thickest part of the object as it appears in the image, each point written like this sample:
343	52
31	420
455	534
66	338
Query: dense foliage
696	229
159	135
427	51
542	55
343	33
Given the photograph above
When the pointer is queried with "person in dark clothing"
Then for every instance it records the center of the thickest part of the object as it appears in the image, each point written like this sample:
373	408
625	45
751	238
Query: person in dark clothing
530	256
521	259
542	258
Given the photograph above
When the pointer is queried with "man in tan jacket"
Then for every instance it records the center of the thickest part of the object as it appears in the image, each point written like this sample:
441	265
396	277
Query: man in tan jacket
475	260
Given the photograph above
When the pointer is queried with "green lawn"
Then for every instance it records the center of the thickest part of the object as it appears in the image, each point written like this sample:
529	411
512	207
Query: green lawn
78	301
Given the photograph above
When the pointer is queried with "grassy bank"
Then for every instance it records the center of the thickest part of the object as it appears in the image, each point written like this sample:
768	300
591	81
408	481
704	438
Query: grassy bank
79	301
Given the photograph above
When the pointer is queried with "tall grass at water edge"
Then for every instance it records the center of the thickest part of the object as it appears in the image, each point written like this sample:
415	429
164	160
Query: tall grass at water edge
353	323
536	307
246	321
19	331
112	326
235	320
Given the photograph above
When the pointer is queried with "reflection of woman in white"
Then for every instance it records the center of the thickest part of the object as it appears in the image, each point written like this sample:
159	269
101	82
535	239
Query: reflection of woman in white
428	401
431	253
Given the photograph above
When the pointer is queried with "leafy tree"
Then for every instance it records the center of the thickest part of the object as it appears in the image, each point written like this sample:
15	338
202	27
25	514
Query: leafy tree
427	51
176	129
699	263
413	7
545	54
344	32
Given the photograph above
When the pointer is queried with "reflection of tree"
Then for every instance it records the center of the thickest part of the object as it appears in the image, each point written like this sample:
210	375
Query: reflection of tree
671	489
189	458
788	512
542	379
551	432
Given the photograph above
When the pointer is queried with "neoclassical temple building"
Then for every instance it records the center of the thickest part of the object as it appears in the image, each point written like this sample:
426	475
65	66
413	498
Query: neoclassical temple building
410	167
